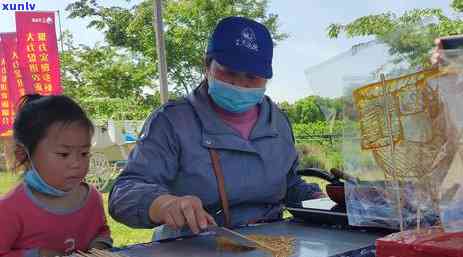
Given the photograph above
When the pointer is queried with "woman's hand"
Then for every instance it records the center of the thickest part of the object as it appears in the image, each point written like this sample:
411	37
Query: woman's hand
177	212
49	253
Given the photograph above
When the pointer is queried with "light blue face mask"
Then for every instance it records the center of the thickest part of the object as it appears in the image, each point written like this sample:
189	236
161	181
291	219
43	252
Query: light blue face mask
233	98
32	179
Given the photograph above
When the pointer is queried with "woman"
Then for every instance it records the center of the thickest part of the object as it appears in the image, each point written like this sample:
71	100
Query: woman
170	177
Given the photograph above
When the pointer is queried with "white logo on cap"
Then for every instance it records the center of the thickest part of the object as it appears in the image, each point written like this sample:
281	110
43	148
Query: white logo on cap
248	39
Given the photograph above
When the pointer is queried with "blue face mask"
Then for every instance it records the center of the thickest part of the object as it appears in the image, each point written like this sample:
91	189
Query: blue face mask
33	179
233	98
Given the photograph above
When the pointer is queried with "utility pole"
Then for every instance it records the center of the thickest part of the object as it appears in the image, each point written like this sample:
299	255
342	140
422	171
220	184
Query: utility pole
161	50
60	31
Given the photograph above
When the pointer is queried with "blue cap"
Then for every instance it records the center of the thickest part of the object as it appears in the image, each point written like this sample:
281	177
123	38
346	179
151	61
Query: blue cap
242	45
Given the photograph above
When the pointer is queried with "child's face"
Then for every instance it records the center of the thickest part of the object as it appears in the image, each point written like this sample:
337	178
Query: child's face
62	157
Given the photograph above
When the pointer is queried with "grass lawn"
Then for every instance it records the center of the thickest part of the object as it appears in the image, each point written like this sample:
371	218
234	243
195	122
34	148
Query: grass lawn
7	181
122	235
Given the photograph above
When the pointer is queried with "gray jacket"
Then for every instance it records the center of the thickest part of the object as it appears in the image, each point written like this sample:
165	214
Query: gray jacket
172	158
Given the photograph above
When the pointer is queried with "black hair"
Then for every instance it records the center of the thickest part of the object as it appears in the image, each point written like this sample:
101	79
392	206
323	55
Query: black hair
37	113
207	61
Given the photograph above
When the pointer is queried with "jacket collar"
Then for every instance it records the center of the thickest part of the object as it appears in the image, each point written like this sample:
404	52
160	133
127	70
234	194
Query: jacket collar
213	126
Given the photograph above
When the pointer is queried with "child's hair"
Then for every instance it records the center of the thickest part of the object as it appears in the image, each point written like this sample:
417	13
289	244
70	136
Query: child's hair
37	113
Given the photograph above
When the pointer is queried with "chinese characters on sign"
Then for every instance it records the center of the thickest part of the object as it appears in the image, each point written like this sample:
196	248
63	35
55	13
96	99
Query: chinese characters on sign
6	119
29	63
38	51
37	62
15	87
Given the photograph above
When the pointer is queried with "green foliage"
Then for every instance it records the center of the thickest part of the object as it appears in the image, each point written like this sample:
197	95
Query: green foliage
108	82
305	111
319	155
310	155
318	144
7	181
410	36
309	130
105	108
313	109
104	71
317	127
457	5
123	235
187	23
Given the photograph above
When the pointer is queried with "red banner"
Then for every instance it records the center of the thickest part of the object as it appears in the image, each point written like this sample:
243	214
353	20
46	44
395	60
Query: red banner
38	51
9	95
6	121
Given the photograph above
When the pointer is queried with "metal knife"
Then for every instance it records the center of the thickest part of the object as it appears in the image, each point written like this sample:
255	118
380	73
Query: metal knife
235	237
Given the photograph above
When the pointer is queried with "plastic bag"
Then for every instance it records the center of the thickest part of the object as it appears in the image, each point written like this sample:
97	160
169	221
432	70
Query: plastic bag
400	142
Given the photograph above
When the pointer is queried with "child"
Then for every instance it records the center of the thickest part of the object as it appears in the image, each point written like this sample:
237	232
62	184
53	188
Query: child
53	212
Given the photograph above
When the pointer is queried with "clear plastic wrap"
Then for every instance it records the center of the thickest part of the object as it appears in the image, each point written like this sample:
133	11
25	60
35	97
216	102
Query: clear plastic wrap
402	143
451	89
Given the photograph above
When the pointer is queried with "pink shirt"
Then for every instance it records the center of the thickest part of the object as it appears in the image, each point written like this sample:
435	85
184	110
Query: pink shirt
26	223
241	122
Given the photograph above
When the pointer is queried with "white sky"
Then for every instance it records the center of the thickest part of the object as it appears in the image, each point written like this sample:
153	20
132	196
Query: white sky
305	20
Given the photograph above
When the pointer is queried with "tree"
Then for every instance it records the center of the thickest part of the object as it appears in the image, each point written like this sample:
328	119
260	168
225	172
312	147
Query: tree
108	82
410	36
313	109
104	71
188	24
104	108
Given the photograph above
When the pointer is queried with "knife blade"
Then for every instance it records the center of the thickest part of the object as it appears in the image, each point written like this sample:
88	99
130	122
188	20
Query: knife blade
237	238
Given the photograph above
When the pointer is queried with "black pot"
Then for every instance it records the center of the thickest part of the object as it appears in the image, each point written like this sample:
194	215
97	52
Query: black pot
335	188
